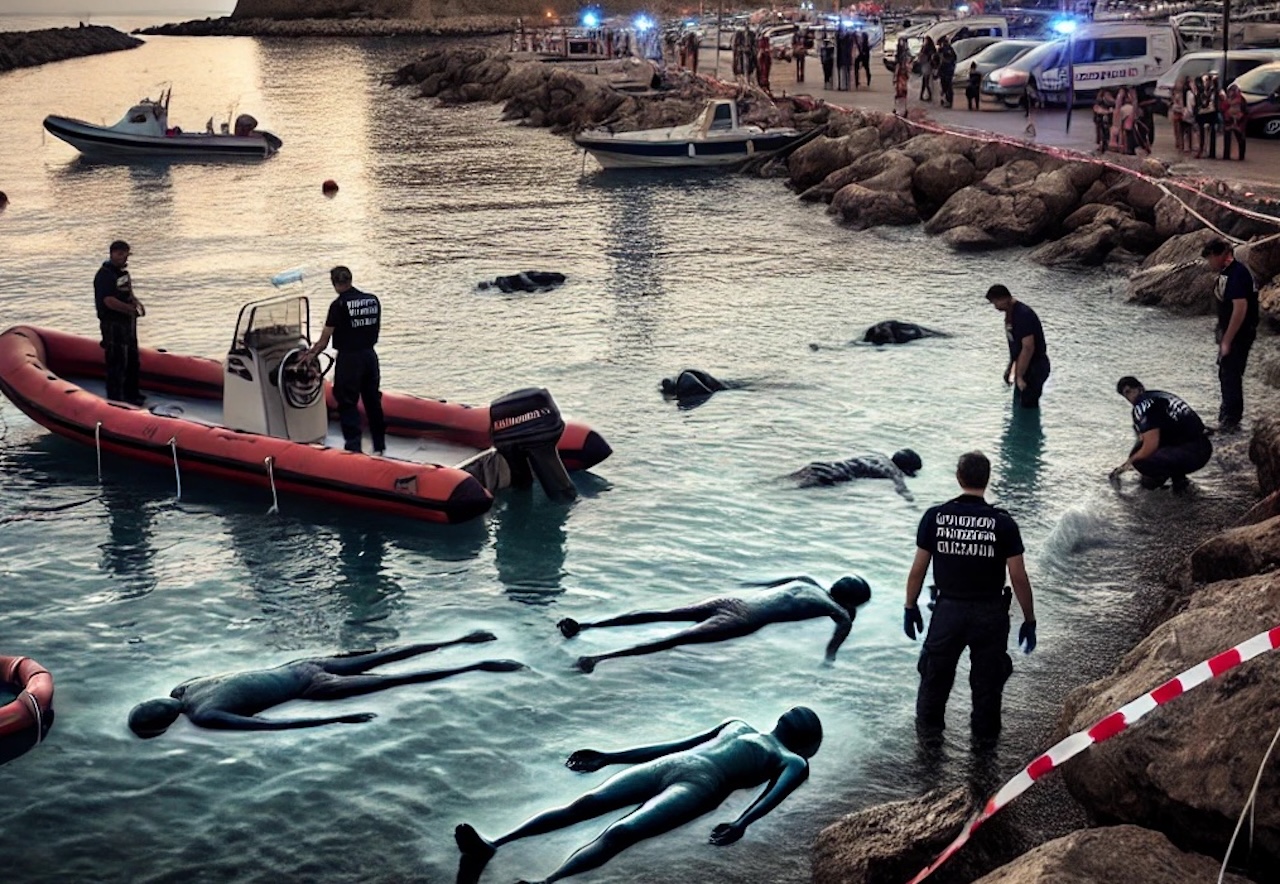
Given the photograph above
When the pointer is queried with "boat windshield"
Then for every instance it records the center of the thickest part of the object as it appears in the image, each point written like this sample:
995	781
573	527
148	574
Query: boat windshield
722	119
278	320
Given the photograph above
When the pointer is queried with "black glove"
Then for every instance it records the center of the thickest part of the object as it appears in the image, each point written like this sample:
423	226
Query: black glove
912	622
1027	636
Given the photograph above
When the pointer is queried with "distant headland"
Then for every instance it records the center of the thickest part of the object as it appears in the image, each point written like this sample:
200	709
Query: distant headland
25	49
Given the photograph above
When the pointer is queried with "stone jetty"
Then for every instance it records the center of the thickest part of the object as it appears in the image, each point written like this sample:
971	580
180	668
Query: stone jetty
1164	795
25	49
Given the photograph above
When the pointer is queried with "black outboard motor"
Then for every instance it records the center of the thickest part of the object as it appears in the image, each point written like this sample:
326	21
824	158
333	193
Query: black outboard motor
525	426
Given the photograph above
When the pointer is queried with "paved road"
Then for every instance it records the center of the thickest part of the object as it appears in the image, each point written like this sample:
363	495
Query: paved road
1260	172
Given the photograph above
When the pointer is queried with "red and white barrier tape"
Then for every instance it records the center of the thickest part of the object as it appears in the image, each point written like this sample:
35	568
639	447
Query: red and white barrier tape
1106	729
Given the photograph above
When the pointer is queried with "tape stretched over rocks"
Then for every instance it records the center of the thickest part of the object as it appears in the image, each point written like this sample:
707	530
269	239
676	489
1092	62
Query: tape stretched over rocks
1105	729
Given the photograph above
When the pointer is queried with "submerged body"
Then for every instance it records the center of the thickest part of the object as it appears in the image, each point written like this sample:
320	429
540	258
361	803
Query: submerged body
903	463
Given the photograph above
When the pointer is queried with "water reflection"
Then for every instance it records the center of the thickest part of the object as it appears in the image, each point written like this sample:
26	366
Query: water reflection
1020	458
529	543
127	551
366	587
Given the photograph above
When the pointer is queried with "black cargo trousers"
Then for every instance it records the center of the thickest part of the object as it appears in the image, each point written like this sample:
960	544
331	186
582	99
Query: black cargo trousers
982	626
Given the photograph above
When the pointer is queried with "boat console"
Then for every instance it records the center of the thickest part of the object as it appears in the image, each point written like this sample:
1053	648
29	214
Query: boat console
269	386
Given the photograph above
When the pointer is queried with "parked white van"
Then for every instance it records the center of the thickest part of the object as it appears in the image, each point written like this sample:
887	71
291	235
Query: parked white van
1107	55
1193	64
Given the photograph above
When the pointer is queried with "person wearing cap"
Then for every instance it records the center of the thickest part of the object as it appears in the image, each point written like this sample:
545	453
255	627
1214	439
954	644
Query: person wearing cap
353	322
971	545
1028	367
718	619
1237	297
904	462
118	312
1172	441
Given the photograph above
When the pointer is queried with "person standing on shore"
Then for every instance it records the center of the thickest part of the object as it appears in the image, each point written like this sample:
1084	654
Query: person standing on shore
973	92
353	322
901	78
971	545
1233	121
864	55
947	72
1103	108
118	313
928	68
798	52
1172	441
1028	367
1237	296
827	55
764	64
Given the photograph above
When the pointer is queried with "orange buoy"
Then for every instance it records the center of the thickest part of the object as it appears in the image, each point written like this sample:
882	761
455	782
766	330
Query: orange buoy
33	706
329	188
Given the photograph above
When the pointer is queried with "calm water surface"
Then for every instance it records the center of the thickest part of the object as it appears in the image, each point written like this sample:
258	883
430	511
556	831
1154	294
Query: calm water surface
134	591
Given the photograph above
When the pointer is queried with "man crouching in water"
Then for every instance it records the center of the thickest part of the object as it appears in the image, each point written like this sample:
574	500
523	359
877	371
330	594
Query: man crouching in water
673	784
232	701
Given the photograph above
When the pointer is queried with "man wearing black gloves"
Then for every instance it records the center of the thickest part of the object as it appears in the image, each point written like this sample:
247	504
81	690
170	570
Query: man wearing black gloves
353	322
971	544
1237	296
1171	437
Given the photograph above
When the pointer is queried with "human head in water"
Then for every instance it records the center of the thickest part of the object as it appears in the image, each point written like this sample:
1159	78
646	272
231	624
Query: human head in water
907	460
850	592
800	731
152	718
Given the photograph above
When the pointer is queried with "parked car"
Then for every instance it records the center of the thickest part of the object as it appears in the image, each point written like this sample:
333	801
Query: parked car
997	55
1193	64
1198	28
1261	90
967	48
1008	85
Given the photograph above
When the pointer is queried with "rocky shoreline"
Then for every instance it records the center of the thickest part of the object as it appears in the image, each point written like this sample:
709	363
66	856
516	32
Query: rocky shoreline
230	26
26	49
1163	796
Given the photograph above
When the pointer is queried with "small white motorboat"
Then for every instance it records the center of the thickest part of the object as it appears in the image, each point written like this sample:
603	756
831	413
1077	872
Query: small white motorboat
715	138
144	132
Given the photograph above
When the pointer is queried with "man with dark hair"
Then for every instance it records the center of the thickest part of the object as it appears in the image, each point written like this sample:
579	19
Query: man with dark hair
904	462
232	701
1028	367
353	322
1171	437
118	312
1237	296
722	618
971	545
672	784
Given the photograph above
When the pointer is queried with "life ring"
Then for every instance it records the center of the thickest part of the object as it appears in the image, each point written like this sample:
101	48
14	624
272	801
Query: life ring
33	707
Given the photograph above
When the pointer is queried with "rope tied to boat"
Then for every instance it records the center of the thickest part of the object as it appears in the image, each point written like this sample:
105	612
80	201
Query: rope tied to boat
97	445
35	711
271	477
177	474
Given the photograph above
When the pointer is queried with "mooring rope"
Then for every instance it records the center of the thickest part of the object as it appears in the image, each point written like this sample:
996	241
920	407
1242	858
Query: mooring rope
1248	809
271	476
177	474
97	445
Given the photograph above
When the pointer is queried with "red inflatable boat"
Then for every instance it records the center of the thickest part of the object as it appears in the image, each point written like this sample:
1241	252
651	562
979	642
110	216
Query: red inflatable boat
240	420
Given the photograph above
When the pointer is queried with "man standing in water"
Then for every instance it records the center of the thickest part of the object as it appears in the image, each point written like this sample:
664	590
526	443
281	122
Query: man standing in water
232	701
971	544
118	312
353	322
1171	437
1237	325
672	784
723	618
1028	367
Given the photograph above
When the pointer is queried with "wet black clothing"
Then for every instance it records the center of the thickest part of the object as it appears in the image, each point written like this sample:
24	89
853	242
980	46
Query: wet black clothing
1235	283
970	542
1184	446
356	318
869	466
119	332
1019	323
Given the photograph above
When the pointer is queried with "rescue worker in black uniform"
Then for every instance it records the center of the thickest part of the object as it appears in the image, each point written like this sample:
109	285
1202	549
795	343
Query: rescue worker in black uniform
1028	367
353	322
1237	296
1171	437
971	544
118	312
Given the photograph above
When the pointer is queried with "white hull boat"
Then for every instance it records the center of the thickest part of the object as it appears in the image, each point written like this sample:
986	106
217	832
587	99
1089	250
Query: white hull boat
715	138
144	133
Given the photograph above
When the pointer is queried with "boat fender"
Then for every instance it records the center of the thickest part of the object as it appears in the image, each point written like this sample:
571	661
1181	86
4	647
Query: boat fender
26	720
525	426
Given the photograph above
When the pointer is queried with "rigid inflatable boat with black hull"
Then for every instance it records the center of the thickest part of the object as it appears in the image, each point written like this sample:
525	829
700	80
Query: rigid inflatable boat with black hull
265	417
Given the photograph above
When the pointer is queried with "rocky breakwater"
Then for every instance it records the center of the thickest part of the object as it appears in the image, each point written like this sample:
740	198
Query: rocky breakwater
24	49
474	26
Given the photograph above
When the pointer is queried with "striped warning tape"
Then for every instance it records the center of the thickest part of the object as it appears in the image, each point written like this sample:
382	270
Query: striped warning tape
1106	729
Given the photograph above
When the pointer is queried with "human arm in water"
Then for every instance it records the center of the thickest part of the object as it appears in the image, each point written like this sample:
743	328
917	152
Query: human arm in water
217	719
795	770
588	760
1149	443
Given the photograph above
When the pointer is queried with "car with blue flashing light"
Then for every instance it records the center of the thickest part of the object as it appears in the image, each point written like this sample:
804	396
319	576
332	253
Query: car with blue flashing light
1107	55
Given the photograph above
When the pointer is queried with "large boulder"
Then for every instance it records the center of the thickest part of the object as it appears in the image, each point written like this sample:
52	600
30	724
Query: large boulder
1108	855
891	171
1188	767
812	162
1183	288
1173	218
929	146
1264	451
1269	301
1092	213
967	238
1012	218
1262	257
1237	552
936	179
1087	246
862	208
889	843
1181	249
1057	190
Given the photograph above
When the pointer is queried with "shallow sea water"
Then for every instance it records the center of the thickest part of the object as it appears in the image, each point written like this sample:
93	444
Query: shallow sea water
132	591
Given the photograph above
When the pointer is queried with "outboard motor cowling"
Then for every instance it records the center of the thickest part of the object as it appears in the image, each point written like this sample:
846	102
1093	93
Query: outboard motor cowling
525	427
